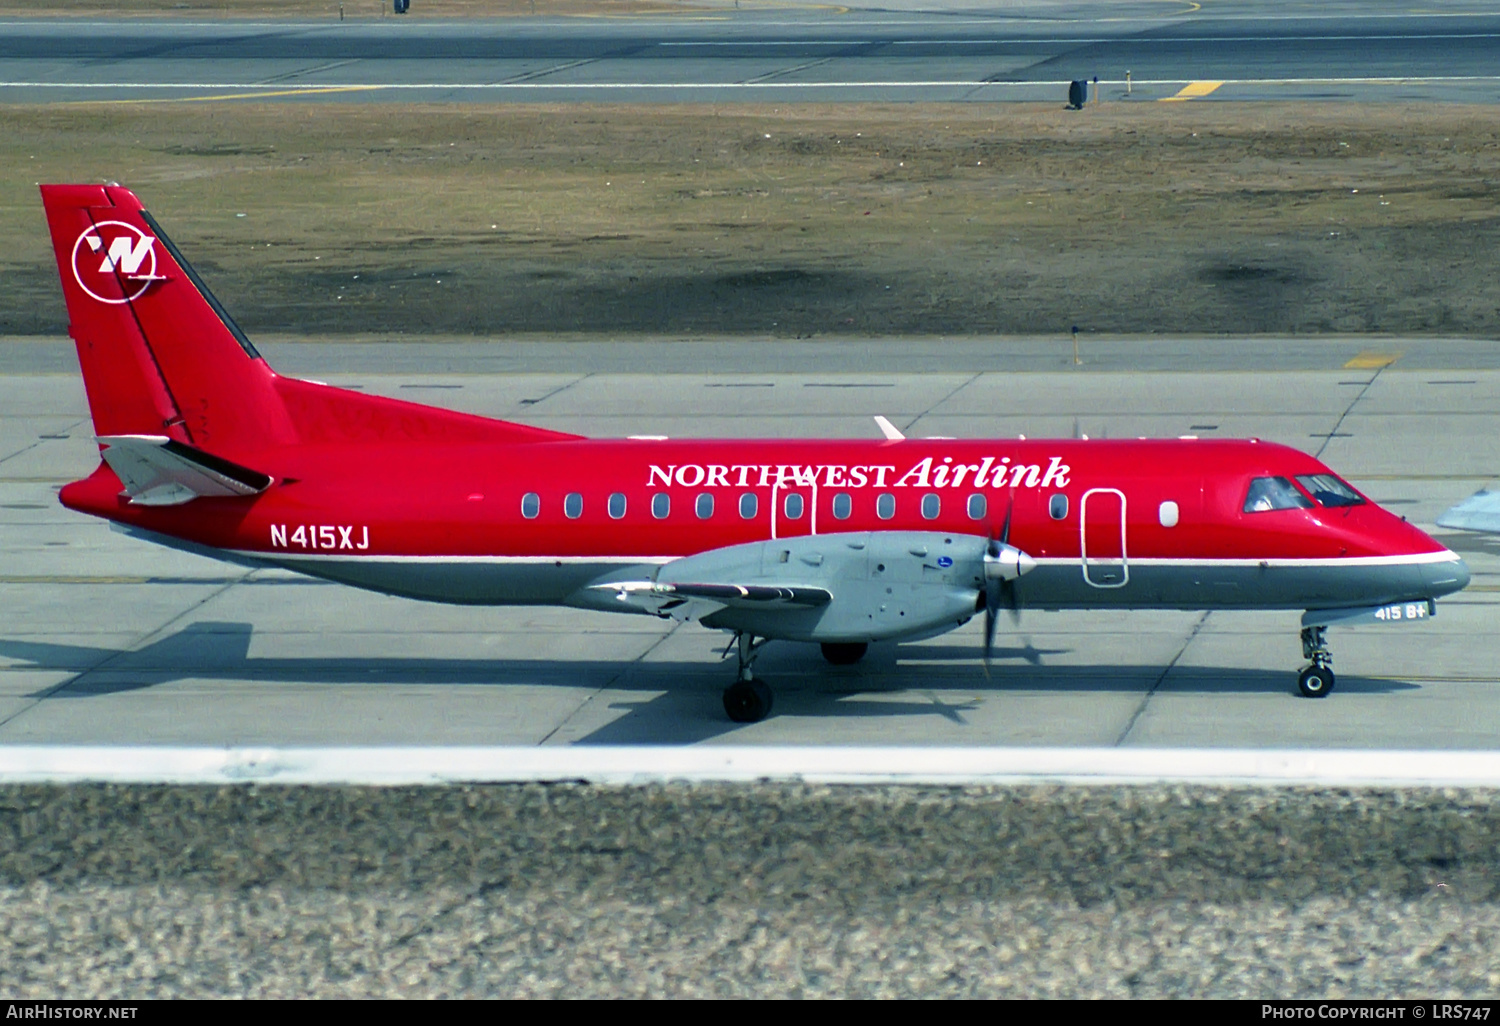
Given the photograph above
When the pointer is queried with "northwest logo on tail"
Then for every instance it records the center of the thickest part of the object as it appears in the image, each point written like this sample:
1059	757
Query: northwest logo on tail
126	255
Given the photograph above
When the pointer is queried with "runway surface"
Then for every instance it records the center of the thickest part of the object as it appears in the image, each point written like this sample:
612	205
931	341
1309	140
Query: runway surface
718	53
108	640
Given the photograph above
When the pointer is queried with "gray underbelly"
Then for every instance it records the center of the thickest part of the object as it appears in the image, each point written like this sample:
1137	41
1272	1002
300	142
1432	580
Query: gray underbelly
1211	586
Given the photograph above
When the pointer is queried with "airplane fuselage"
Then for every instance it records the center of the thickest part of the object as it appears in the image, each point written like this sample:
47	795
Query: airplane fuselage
1141	523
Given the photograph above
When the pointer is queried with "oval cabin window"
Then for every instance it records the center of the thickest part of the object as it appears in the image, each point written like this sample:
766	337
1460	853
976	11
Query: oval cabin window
1057	507
931	505
573	506
843	505
792	507
885	506
1167	514
749	505
704	506
661	505
616	506
977	506
531	505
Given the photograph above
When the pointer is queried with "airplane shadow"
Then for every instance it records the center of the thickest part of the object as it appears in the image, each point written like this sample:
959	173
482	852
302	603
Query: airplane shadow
894	680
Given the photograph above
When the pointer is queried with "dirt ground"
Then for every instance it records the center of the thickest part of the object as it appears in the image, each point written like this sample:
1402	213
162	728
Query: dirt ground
793	221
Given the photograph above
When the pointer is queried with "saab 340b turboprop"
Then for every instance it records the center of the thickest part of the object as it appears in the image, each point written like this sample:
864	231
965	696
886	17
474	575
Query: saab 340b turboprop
841	543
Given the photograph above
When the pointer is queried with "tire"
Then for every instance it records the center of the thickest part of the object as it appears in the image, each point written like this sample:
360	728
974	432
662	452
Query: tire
1315	682
747	701
844	653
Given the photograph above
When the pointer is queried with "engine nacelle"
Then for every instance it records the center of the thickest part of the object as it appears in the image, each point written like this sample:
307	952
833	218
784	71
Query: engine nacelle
883	585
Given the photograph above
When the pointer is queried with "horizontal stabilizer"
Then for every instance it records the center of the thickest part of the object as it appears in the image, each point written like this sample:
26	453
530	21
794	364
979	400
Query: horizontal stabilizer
1479	512
160	471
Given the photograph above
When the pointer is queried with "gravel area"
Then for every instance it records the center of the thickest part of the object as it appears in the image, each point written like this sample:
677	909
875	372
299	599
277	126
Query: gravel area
571	890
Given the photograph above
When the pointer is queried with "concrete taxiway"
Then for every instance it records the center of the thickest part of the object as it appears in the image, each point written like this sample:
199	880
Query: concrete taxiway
108	640
1138	52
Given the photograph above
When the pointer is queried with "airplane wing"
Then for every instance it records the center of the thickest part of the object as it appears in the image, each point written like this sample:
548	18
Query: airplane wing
160	471
751	594
694	601
1479	512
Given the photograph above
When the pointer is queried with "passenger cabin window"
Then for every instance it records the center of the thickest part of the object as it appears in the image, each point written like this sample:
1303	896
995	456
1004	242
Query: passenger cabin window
1329	490
1167	514
792	507
885	506
704	506
977	506
616	506
931	505
531	505
749	505
1268	493
1057	507
843	505
661	505
573	506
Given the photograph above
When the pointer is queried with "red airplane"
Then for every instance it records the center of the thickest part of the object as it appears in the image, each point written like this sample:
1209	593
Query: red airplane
842	543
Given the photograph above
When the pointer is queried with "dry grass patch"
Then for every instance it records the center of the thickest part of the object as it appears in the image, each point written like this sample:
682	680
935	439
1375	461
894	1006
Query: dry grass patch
797	220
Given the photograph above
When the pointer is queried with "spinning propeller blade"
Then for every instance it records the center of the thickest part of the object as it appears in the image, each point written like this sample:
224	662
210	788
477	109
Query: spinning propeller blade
1004	566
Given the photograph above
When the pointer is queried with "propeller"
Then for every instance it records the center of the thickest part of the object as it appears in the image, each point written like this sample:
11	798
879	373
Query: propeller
1003	566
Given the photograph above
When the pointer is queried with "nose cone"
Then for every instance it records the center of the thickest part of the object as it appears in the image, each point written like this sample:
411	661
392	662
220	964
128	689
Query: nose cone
1446	577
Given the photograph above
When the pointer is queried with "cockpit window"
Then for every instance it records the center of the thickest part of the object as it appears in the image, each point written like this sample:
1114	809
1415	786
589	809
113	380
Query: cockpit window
1268	493
1329	490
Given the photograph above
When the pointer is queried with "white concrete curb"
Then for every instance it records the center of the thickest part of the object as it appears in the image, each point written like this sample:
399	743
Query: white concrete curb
389	766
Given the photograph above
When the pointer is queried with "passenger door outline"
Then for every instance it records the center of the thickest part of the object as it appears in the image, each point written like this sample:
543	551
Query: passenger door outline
1103	565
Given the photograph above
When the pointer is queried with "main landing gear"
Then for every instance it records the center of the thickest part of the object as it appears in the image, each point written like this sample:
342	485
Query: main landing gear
1316	680
748	699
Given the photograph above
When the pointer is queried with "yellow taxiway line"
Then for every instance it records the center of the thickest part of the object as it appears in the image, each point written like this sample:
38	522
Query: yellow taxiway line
1370	360
1192	91
313	91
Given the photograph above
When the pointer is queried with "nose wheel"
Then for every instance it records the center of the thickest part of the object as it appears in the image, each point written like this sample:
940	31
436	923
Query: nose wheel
748	699
1316	681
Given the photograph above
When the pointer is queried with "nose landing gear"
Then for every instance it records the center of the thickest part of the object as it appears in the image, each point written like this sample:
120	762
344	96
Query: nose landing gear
748	699
1316	681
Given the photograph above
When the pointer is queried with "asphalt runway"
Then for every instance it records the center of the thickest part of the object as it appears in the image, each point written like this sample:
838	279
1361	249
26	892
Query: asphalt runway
104	639
1237	50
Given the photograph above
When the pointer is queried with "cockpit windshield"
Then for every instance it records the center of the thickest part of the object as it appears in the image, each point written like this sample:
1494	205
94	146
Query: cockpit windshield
1268	493
1329	490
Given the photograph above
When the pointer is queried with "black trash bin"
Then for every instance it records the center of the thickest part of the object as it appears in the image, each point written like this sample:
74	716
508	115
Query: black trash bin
1078	92
401	5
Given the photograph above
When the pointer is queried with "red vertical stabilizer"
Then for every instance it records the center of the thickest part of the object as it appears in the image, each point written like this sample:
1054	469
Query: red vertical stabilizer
159	354
161	357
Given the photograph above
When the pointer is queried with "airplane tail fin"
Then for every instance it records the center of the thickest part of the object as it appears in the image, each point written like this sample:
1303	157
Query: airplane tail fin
160	356
162	359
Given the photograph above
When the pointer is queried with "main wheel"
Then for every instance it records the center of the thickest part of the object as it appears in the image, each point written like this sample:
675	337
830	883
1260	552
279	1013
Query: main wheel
844	653
747	701
1315	682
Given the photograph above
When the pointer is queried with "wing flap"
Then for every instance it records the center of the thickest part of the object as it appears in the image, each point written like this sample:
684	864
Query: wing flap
160	471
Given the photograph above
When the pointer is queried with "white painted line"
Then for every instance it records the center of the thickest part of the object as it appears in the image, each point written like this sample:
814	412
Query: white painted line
1137	42
607	86
641	765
